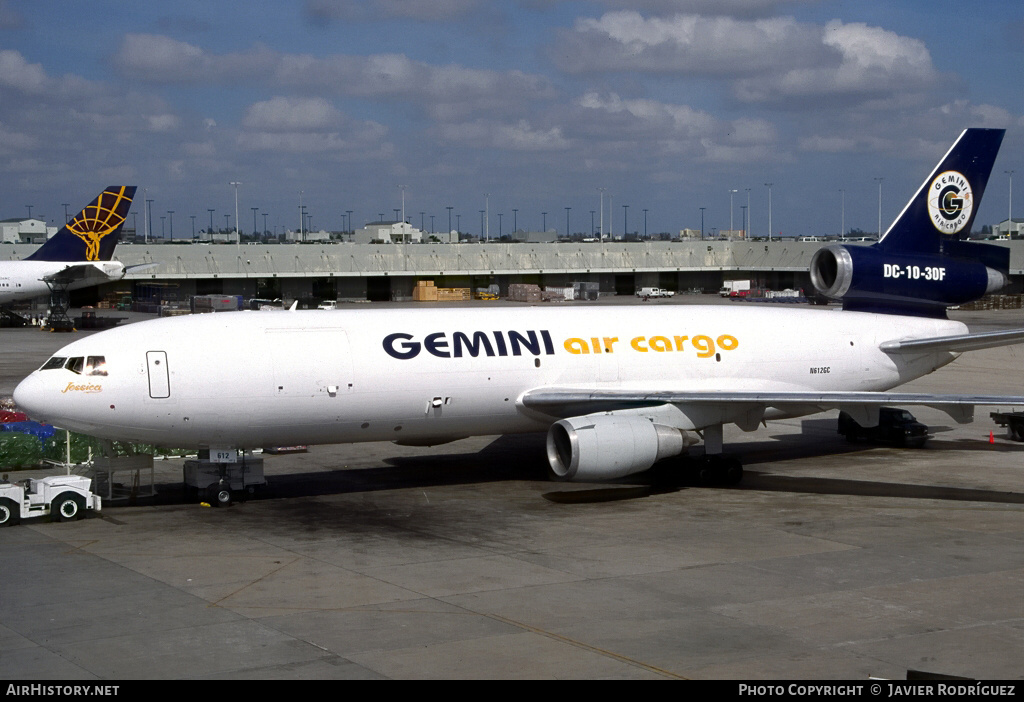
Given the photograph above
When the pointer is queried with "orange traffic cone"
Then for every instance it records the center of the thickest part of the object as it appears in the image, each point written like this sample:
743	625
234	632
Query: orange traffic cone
991	438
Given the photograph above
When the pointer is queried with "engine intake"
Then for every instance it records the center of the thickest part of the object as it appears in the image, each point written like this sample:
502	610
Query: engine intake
869	278
605	446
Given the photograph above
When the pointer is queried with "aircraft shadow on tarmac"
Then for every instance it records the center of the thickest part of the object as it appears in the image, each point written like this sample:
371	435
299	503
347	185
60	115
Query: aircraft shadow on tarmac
522	458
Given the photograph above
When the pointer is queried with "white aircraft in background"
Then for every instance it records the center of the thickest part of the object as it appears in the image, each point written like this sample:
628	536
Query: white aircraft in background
616	388
77	256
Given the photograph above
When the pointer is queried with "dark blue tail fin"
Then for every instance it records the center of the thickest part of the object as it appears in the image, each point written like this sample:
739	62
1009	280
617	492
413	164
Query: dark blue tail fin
921	265
93	233
944	207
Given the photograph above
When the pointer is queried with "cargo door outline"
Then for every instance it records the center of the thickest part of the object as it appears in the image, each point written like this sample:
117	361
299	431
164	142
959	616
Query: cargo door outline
159	375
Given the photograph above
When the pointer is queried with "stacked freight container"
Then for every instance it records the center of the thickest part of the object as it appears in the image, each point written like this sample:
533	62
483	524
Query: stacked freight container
424	291
524	292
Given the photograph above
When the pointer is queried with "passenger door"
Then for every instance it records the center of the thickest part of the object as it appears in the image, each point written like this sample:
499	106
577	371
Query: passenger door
159	375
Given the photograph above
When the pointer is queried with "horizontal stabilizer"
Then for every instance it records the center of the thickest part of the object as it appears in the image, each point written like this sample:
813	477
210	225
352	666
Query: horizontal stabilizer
93	272
955	344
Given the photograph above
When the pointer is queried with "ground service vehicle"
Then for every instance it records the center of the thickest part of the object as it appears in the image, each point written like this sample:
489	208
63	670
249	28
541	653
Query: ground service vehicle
895	426
62	497
1013	421
654	292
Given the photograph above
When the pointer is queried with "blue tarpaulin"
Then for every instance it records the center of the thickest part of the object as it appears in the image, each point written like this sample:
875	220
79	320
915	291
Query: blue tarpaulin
40	431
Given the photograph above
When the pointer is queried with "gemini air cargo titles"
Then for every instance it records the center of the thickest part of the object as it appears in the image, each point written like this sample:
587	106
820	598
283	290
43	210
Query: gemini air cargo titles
616	388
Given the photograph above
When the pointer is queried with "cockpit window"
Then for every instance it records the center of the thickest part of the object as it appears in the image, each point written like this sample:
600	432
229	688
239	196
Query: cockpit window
96	365
75	364
54	362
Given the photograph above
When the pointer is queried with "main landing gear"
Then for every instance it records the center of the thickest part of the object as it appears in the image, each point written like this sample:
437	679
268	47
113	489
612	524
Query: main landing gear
714	468
718	470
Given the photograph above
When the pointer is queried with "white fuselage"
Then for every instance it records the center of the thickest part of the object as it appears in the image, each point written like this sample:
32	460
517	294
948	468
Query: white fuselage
23	280
251	379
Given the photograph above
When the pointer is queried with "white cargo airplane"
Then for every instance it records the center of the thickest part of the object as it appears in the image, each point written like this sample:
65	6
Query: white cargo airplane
616	388
77	256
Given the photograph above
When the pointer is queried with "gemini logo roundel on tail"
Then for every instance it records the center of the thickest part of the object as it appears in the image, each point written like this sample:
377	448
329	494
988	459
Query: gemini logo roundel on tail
950	202
101	217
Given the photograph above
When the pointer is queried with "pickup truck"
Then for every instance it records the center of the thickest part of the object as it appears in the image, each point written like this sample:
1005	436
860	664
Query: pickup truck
654	292
895	426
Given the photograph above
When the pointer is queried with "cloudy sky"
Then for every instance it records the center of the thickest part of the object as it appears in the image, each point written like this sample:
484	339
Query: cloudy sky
527	105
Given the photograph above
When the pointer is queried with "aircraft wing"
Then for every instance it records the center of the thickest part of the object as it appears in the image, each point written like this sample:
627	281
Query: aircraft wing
957	343
88	272
747	408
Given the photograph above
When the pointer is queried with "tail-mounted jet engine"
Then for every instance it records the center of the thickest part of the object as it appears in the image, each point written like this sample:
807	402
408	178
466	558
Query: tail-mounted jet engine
871	279
605	446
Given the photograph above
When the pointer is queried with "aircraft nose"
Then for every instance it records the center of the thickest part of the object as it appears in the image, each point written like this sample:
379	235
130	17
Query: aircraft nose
30	397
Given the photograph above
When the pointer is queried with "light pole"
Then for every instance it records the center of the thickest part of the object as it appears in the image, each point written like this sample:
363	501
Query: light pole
842	215
210	232
645	223
544	221
515	219
449	208
68	204
600	232
149	219
487	217
193	218
238	239
625	221
731	230
1009	215
402	188
769	186
744	219
170	216
702	223
567	221
749	217
302	236
254	225
880	206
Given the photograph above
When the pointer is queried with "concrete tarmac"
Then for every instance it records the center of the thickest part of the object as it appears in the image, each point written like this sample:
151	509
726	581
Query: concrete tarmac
829	561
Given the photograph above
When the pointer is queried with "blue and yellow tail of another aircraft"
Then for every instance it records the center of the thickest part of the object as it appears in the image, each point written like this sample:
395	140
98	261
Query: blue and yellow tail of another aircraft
93	233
